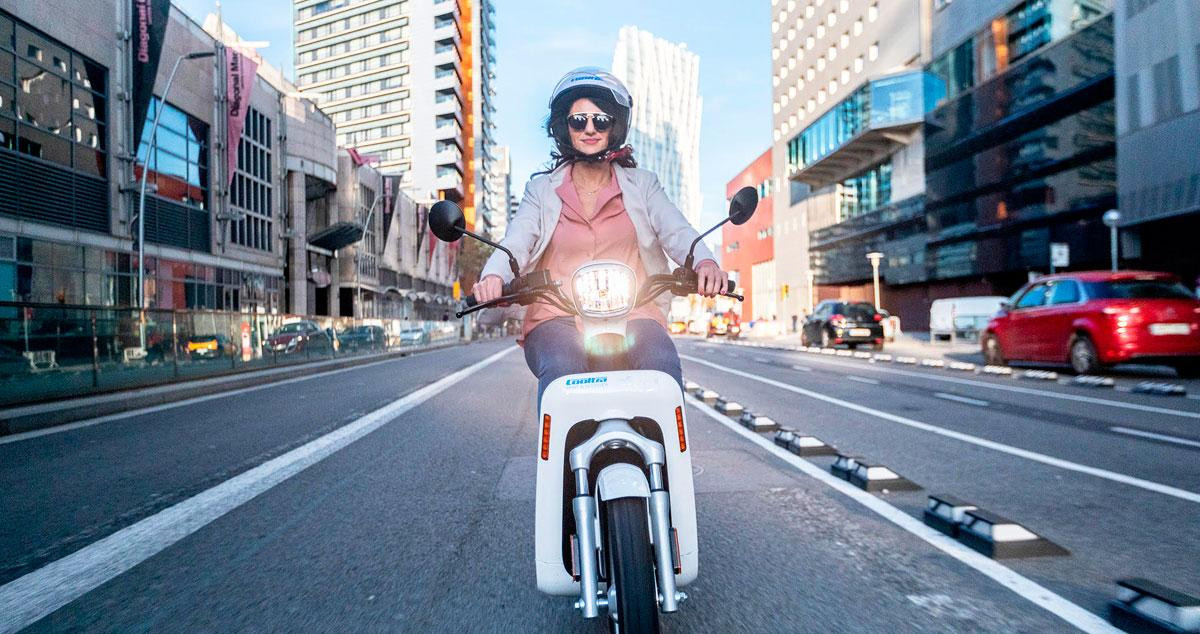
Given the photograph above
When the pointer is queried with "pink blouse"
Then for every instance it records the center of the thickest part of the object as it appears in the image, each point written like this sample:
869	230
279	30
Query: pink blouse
608	235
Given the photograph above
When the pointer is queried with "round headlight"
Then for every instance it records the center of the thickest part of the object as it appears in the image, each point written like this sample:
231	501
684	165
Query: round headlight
604	289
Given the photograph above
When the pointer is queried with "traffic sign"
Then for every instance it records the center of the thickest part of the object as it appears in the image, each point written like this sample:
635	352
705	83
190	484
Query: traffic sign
1060	254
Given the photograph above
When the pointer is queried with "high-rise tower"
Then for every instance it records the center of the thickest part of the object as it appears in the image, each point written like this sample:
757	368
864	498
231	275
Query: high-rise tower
664	79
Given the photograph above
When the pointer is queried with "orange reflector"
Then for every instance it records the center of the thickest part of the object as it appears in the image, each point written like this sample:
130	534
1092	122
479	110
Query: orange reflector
679	427
546	437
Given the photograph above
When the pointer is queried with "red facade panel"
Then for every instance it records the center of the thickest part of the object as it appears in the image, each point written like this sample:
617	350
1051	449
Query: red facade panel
752	243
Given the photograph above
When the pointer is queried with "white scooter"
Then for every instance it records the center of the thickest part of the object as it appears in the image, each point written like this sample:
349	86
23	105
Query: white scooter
616	517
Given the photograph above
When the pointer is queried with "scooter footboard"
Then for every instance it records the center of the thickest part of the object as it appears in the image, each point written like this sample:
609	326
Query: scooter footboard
644	397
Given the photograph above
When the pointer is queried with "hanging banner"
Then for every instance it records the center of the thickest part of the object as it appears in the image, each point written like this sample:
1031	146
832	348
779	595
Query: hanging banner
239	79
149	31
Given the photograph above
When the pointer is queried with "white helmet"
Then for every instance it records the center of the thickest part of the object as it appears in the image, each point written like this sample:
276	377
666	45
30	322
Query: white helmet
593	76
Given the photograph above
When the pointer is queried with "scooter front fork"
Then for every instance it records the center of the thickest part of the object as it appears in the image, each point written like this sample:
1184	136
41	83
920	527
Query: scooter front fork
587	540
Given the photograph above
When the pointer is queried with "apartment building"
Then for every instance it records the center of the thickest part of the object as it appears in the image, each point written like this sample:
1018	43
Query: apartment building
409	85
849	97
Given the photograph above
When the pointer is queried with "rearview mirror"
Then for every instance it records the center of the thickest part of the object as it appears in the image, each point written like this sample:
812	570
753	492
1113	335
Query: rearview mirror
742	205
446	221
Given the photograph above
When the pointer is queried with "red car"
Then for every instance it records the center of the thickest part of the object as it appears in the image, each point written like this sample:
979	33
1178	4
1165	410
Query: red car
1097	318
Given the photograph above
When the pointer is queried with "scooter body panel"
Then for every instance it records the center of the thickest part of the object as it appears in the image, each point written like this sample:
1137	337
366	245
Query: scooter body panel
599	396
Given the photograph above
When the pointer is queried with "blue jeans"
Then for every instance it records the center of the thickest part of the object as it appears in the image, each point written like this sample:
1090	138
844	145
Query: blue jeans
555	348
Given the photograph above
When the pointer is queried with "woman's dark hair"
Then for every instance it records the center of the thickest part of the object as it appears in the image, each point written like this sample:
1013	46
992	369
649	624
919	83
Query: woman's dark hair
556	128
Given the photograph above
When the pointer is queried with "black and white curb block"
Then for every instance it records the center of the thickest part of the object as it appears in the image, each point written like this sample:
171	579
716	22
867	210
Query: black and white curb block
1040	375
1001	538
869	477
843	465
907	360
756	423
946	513
709	397
731	409
962	366
1087	380
1144	606
882	358
1160	389
805	446
933	363
997	369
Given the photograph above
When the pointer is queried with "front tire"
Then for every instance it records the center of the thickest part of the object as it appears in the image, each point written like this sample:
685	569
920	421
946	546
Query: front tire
631	567
1084	359
825	340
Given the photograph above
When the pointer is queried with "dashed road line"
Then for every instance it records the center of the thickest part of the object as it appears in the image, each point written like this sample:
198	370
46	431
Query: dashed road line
1154	436
1014	388
802	368
1022	586
860	379
961	399
27	599
1148	485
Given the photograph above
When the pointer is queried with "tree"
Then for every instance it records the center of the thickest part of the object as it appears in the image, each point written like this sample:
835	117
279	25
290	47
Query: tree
471	258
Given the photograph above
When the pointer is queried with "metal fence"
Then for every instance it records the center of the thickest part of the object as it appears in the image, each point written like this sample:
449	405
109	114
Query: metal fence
52	351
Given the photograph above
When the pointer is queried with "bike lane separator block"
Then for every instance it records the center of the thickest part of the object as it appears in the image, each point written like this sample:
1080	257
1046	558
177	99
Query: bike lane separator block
906	360
829	352
1145	606
709	397
998	370
784	436
1088	380
761	424
962	366
946	513
861	354
844	353
881	358
1001	538
1160	389
1040	375
805	446
874	478
843	465
729	408
933	363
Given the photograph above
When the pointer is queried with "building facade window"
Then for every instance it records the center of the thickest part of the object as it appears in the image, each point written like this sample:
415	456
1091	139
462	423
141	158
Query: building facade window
1168	93
179	164
866	192
349	22
253	185
53	101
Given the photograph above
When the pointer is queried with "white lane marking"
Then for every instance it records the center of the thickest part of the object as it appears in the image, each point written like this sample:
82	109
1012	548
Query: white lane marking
802	368
191	401
1024	587
27	599
862	380
761	360
1148	485
1150	434
1013	388
961	399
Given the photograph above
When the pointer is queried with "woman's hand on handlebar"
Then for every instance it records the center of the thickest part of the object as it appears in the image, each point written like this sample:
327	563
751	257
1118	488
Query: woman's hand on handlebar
711	279
487	289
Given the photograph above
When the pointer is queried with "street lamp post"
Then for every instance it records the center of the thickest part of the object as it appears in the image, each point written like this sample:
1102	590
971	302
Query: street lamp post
150	147
1111	218
875	257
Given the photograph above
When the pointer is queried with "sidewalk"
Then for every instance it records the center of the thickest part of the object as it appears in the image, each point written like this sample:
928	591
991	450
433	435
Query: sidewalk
912	344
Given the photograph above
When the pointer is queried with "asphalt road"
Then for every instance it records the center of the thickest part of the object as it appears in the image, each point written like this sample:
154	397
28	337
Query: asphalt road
399	497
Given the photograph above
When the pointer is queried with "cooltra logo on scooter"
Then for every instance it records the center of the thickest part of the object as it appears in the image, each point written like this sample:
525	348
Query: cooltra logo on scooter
593	379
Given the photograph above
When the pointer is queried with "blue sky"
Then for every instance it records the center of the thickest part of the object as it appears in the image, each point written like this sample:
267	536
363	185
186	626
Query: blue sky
538	41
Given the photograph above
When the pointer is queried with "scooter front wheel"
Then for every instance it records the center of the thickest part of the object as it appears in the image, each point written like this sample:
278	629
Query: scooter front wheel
631	567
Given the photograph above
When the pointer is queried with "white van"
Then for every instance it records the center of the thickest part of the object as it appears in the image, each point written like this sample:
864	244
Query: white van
967	315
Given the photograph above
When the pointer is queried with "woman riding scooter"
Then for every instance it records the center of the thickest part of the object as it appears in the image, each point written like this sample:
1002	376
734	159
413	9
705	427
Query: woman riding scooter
594	204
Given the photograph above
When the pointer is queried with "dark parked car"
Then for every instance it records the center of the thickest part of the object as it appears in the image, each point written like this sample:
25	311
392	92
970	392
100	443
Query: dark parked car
1096	318
852	323
299	336
363	338
209	347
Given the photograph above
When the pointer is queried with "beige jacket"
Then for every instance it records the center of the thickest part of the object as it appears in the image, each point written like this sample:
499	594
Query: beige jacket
661	228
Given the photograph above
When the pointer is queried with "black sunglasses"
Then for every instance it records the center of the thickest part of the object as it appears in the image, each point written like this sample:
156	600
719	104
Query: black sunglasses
600	121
